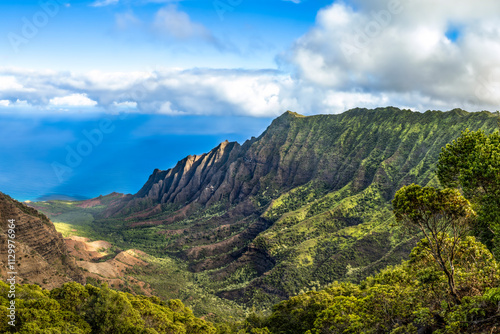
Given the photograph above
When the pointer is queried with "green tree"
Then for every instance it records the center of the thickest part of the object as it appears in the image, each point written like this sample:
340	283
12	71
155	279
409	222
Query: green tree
71	296
437	214
472	163
109	311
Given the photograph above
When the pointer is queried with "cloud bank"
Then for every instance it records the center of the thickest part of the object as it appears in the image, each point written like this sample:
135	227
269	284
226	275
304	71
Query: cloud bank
407	53
167	91
404	49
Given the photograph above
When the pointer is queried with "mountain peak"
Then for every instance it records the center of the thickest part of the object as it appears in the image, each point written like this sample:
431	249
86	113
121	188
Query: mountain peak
289	113
285	120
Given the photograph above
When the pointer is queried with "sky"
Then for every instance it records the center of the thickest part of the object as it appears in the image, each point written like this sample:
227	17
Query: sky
178	77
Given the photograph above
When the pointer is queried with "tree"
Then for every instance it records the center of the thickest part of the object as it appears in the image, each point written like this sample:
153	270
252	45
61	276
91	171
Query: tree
437	214
472	163
109	311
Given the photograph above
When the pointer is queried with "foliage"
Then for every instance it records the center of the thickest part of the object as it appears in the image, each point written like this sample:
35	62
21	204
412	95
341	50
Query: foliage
78	309
436	213
409	298
472	163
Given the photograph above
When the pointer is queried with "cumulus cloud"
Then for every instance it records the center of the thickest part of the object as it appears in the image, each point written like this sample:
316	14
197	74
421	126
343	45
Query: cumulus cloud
259	93
358	54
167	91
10	83
73	100
401	49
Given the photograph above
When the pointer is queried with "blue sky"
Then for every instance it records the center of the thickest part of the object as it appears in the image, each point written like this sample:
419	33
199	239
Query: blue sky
123	36
188	74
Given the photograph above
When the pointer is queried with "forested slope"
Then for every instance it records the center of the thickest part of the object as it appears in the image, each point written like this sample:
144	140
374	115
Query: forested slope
303	205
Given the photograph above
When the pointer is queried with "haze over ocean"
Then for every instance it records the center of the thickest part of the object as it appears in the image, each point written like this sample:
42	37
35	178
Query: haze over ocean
32	147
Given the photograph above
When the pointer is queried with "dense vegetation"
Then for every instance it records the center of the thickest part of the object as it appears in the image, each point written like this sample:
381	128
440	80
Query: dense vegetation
450	284
400	299
78	309
472	163
334	221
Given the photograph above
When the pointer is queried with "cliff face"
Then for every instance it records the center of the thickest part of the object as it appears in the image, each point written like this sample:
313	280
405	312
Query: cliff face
41	255
230	172
360	145
196	178
306	202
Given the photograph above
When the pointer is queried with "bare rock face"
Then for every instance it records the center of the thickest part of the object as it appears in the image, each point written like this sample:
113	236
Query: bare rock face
229	172
193	178
40	252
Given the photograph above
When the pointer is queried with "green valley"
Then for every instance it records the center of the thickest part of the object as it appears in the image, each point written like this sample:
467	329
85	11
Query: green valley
298	209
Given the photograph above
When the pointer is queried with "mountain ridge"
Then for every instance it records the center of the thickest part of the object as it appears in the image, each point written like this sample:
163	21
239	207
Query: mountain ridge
302	205
237	151
40	252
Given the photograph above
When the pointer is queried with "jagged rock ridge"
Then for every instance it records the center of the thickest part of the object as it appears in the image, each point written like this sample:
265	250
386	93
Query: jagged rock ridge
296	149
307	201
41	254
333	160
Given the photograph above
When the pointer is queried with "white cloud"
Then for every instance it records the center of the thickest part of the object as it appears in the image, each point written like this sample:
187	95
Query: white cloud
348	100
399	49
126	20
73	100
9	82
102	3
170	91
170	22
166	108
22	103
16	103
210	92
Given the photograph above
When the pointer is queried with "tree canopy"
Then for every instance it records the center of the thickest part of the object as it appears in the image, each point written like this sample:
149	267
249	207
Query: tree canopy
437	214
78	309
472	164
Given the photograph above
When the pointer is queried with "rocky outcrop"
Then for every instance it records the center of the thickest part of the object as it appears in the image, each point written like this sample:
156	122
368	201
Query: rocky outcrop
41	254
197	177
229	172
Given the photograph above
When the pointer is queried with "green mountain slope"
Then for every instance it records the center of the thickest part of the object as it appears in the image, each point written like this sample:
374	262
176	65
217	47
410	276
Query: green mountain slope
306	203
